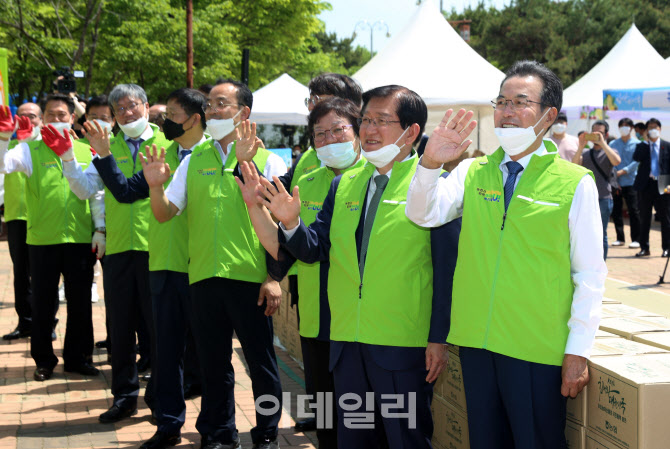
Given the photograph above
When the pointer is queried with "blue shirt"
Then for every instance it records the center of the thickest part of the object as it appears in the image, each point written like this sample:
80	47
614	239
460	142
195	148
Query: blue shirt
626	150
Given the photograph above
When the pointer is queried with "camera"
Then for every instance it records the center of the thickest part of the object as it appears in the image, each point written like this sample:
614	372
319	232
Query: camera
67	80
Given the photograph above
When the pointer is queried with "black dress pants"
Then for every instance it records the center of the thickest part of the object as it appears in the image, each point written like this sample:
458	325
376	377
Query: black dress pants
630	196
18	251
75	262
650	197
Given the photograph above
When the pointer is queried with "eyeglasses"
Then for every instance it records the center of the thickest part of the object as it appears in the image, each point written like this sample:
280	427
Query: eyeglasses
314	99
104	118
218	105
517	104
336	132
378	122
30	116
131	108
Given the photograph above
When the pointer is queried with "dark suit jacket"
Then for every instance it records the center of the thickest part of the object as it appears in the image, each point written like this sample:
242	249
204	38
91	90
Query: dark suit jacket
312	244
643	156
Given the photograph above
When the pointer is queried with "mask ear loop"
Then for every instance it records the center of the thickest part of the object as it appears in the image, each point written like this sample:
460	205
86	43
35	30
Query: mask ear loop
401	136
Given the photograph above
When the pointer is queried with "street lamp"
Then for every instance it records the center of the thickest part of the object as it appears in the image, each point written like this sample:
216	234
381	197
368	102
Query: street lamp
372	26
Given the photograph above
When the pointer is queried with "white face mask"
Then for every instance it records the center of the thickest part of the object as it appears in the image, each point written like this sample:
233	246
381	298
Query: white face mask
220	128
515	141
624	130
104	125
383	156
60	126
654	133
337	155
136	128
559	128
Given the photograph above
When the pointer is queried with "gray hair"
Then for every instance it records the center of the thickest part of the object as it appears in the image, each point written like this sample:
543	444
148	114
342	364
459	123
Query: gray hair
126	90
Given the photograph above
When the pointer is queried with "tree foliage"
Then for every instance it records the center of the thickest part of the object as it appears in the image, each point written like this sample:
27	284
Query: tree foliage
569	36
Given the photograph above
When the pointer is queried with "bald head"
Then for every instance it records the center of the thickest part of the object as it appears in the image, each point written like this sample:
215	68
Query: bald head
32	111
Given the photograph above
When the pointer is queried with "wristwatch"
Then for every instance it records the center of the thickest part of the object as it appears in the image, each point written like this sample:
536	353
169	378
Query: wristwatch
101	230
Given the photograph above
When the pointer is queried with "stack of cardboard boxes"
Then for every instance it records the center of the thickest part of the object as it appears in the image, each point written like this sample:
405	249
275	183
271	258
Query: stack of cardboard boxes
449	409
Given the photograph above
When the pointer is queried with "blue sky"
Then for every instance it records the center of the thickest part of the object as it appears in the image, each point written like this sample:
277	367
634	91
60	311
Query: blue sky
345	14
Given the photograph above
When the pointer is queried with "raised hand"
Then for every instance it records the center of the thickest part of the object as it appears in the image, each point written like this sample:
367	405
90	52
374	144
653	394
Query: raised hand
98	138
251	181
156	170
57	142
247	142
284	207
7	124
25	129
447	142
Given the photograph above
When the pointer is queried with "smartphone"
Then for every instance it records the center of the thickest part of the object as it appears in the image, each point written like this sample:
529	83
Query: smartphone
591	137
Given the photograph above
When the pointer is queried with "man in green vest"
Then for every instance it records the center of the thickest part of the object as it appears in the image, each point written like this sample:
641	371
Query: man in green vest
184	124
387	334
530	274
59	237
227	269
126	273
16	215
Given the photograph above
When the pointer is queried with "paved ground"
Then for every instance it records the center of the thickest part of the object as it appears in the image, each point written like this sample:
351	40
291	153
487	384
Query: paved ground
62	412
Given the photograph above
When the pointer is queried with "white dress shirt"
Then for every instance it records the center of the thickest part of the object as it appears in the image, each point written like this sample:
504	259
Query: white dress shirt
433	201
19	159
176	192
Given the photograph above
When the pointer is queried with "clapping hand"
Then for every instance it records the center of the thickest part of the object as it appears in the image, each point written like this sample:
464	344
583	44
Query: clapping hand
447	142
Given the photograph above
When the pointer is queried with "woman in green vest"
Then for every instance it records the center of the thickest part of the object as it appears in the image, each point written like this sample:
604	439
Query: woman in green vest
333	128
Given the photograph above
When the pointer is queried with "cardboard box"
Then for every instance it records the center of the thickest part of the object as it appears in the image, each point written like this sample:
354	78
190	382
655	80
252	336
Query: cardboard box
576	408
614	310
593	440
575	435
621	346
658	339
628	400
451	425
602	334
453	389
629	326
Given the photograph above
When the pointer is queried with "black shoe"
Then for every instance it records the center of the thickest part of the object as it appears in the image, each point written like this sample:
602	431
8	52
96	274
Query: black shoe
216	445
42	374
666	253
305	425
192	391
143	364
102	344
643	253
161	440
85	368
146	377
17	333
116	414
267	444
152	419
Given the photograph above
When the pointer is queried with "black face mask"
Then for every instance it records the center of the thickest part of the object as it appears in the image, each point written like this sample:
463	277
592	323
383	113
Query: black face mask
172	130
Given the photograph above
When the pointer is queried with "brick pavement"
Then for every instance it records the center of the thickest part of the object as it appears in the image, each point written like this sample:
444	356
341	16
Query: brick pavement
63	411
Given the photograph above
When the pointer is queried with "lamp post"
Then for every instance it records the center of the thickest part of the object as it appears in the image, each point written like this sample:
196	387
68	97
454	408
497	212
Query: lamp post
372	26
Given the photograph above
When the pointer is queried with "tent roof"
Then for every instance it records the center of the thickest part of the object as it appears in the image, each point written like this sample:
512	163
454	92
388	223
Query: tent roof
281	102
430	57
619	69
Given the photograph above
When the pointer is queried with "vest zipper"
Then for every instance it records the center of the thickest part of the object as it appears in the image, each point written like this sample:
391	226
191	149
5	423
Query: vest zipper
495	279
358	312
503	223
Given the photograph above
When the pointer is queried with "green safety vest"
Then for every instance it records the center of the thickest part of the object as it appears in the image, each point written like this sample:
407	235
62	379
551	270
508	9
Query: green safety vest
227	245
512	286
168	242
15	193
313	190
128	224
55	214
392	305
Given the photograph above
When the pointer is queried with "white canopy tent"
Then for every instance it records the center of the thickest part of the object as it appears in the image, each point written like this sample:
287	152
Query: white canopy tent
429	57
584	98
282	102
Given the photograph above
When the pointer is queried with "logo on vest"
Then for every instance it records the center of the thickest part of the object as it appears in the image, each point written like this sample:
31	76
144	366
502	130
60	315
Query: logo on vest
489	195
208	171
122	160
308	169
352	205
312	205
50	164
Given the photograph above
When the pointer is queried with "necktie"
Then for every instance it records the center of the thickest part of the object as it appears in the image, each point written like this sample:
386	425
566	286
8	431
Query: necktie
136	146
514	168
654	160
184	154
380	181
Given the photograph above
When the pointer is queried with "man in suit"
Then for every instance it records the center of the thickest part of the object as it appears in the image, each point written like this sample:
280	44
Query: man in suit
654	159
387	334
